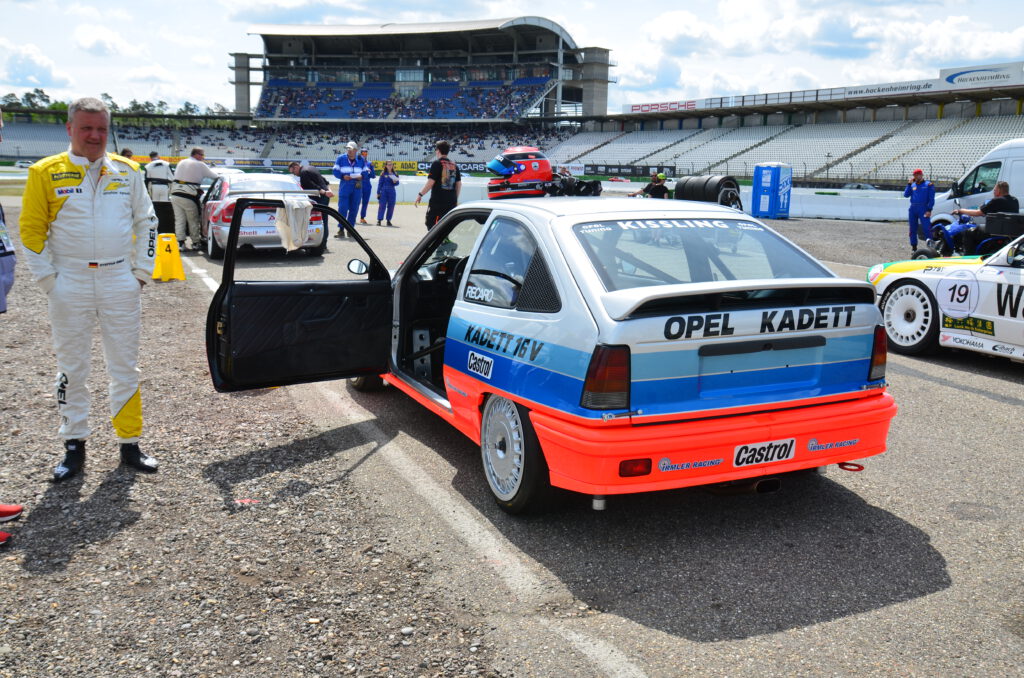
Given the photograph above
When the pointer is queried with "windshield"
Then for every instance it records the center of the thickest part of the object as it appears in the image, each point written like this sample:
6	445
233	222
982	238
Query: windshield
647	252
277	184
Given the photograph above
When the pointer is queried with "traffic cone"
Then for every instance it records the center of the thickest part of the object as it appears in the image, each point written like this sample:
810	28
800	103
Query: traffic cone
168	259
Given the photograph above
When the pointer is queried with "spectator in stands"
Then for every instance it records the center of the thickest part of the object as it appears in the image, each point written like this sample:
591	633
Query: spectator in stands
310	179
655	189
922	199
1001	201
386	193
158	182
185	197
445	176
368	176
349	168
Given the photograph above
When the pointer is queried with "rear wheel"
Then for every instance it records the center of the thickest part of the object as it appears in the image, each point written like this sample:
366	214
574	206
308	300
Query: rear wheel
318	250
911	318
513	461
924	253
213	250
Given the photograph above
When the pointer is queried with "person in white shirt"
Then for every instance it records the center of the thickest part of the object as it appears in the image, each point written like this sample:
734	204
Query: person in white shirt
185	193
159	178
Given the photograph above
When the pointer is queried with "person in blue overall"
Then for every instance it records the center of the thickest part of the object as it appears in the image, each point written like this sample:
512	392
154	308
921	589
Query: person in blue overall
368	174
349	168
386	193
922	200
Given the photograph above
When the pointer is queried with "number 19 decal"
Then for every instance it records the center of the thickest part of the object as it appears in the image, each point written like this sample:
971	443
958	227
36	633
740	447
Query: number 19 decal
957	294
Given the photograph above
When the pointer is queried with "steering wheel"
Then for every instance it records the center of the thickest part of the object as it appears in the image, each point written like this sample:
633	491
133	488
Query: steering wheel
457	272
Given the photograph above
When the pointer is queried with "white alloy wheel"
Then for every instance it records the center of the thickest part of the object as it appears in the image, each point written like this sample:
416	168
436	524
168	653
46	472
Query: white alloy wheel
513	462
911	318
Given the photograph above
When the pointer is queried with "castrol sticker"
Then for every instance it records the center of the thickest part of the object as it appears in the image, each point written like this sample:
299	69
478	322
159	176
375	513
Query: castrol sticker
764	453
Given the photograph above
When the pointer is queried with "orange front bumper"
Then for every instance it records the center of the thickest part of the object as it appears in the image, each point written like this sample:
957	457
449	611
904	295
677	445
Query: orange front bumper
585	457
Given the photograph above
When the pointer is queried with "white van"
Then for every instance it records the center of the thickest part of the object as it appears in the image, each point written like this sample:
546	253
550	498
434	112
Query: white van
1005	162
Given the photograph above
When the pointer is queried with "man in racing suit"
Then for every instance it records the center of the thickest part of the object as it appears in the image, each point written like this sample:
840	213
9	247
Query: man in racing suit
922	200
368	174
89	235
350	169
185	193
159	178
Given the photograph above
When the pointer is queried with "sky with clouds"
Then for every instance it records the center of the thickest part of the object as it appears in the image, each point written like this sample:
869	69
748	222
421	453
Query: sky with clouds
178	51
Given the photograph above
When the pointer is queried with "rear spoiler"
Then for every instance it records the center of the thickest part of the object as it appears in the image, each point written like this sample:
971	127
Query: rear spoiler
696	297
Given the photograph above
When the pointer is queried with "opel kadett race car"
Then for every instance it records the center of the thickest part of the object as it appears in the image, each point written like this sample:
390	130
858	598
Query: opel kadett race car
973	303
603	346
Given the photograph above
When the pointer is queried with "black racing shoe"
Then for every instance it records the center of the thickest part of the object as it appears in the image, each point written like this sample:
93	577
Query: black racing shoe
132	456
74	461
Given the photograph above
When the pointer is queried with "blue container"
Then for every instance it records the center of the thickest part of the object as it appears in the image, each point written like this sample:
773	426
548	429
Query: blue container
773	184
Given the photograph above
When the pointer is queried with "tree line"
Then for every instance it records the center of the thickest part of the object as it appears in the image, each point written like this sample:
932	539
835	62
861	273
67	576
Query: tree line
39	100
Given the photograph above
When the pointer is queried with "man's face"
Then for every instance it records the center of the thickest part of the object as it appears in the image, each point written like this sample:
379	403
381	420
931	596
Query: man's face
88	133
294	169
918	178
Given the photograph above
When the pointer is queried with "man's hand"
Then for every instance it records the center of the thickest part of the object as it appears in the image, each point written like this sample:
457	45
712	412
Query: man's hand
928	214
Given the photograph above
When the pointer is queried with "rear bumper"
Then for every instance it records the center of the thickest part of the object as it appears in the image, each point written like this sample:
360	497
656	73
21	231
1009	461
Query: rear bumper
585	458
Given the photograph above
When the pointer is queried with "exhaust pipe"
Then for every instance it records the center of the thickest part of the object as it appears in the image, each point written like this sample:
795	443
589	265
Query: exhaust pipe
755	486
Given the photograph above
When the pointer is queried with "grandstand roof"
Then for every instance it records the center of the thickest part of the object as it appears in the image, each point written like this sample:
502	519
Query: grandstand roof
523	25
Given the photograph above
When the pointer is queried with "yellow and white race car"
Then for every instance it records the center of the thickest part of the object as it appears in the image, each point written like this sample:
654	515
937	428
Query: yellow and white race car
974	303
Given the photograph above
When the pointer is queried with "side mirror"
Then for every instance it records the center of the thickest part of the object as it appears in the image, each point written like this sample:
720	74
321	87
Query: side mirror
358	267
1015	255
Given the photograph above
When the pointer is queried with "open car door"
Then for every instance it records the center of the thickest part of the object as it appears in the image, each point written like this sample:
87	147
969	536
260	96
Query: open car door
273	333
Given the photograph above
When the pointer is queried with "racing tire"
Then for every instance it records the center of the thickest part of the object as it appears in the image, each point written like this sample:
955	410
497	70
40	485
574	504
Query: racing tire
730	197
513	462
368	383
910	316
213	250
716	184
925	253
318	250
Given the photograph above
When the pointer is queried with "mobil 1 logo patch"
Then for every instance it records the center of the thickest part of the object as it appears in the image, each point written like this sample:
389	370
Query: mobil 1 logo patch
764	453
480	364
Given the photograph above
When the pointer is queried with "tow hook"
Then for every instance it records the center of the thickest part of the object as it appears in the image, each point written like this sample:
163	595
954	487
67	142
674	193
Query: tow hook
850	466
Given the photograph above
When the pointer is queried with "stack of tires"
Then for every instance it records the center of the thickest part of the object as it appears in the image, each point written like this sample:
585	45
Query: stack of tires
714	188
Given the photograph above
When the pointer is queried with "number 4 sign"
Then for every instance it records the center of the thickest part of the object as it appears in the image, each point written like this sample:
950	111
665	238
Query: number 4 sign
957	294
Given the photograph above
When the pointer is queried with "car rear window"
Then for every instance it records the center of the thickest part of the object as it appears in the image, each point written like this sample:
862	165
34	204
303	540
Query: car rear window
275	184
648	252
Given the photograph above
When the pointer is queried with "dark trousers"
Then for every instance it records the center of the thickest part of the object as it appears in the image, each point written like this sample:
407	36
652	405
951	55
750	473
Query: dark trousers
164	217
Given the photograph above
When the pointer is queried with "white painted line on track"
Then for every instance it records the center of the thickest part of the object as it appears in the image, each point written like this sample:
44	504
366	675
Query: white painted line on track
518	577
839	263
203	275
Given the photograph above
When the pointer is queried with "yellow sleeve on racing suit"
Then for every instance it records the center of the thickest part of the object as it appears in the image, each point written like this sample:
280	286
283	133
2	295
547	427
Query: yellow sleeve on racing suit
37	212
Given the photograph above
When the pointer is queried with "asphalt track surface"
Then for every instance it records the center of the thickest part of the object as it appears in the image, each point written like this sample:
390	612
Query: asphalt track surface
912	567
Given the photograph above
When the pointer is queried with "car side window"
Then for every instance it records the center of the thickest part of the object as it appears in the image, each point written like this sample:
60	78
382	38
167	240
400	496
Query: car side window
982	179
509	271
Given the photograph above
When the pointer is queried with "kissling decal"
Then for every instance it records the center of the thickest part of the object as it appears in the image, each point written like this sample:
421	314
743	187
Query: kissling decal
503	342
764	453
480	364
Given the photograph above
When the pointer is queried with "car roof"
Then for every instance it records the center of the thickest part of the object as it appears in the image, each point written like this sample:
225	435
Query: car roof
587	208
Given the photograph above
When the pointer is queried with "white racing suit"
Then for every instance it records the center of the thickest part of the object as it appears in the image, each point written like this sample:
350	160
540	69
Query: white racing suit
88	245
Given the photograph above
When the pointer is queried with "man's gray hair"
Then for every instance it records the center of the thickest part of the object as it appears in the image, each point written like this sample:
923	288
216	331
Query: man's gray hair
87	105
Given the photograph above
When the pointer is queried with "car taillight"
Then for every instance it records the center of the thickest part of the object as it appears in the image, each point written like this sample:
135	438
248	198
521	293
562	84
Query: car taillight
878	352
607	384
227	213
630	468
315	218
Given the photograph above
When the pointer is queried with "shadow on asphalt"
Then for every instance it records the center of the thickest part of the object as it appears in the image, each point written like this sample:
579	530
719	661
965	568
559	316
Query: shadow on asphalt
701	566
63	523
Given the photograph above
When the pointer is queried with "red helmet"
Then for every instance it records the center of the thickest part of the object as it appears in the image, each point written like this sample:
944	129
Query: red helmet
522	172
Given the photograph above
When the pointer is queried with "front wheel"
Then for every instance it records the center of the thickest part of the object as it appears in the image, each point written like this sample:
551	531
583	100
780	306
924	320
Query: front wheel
911	318
513	461
924	253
